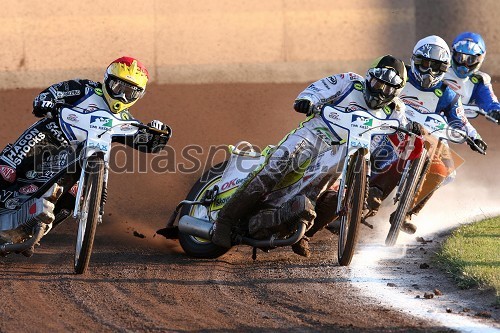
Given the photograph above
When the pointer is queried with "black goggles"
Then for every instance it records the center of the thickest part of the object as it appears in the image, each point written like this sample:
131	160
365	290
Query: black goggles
124	91
435	67
381	87
468	60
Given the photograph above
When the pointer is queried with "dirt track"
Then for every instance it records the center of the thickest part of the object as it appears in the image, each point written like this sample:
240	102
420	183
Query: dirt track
148	284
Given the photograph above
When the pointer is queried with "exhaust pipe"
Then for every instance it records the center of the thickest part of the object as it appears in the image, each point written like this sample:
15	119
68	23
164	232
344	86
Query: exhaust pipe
271	243
204	229
28	246
196	227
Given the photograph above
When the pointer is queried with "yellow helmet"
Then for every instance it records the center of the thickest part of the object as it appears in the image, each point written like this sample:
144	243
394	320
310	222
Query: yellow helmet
124	83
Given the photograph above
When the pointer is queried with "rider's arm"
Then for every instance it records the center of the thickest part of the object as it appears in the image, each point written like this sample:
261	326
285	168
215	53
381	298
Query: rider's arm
144	141
66	91
483	94
450	104
325	91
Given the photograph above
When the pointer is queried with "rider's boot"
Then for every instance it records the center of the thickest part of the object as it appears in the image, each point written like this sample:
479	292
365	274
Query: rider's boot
41	210
221	234
326	210
374	200
44	209
282	221
406	226
302	247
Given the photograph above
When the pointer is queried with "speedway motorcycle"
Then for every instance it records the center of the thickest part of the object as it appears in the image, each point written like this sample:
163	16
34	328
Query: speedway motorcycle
80	168
199	210
415	171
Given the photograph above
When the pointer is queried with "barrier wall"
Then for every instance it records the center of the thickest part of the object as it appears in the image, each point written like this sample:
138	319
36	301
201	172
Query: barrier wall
193	41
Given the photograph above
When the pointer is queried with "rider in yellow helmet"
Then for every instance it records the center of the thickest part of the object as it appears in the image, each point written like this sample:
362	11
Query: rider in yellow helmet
124	84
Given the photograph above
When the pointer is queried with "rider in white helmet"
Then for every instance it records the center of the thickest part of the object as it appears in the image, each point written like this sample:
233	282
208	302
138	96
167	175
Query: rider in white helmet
426	92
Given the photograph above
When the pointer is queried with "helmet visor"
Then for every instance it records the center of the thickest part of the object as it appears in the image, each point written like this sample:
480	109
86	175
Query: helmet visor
434	67
468	60
123	91
382	88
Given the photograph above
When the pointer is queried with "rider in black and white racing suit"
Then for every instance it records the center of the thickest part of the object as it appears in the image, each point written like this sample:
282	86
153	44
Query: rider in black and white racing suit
124	83
376	94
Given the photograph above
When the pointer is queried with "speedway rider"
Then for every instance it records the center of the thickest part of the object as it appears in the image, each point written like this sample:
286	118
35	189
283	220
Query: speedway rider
384	81
125	82
468	51
427	93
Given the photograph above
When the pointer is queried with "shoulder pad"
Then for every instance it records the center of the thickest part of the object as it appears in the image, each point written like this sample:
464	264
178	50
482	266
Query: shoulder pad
358	85
353	76
480	77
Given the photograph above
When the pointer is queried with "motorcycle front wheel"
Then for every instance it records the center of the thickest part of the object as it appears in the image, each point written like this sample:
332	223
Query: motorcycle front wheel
409	183
195	246
89	211
352	207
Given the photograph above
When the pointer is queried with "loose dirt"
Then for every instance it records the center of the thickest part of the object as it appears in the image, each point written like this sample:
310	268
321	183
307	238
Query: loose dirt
149	284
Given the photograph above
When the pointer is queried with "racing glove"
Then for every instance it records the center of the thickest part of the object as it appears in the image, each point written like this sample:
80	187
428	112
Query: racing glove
414	127
479	142
495	114
158	141
44	108
303	105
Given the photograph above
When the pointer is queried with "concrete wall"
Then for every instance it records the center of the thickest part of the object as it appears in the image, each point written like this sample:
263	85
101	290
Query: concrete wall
194	41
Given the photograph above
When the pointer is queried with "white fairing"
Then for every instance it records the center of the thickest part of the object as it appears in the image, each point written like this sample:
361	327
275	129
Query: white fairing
436	125
97	127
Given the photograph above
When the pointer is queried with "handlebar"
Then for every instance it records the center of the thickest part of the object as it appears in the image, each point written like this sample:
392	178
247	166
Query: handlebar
471	142
167	131
403	130
480	111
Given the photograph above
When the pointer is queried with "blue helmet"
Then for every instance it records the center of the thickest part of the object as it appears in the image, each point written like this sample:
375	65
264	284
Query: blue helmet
468	52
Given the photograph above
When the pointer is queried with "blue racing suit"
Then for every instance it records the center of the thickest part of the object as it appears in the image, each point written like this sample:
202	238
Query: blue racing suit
474	90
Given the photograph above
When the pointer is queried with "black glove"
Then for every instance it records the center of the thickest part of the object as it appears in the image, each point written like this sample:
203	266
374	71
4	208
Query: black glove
44	107
480	143
414	127
158	141
495	114
303	106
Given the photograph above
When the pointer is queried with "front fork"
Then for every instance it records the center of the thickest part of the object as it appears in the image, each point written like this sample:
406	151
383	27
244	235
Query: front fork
104	195
78	198
342	189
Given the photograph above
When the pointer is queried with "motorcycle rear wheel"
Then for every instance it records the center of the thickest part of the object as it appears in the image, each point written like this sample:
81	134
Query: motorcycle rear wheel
195	246
352	207
89	212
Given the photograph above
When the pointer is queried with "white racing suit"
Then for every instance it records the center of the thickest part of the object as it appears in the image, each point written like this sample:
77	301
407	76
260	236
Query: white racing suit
299	148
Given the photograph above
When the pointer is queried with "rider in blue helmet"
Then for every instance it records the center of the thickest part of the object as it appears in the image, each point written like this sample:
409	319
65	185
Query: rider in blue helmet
468	53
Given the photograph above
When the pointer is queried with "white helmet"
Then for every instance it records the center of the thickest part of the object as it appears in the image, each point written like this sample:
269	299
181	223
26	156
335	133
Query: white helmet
430	61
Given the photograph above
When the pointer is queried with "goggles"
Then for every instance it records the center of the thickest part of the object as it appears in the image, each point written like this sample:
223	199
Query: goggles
381	87
124	91
435	67
468	60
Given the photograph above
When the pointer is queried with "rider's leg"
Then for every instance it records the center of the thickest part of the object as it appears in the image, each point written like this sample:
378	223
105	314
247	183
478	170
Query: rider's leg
294	151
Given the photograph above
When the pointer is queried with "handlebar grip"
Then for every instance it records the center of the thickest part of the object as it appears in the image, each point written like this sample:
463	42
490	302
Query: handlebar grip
402	129
472	143
167	132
